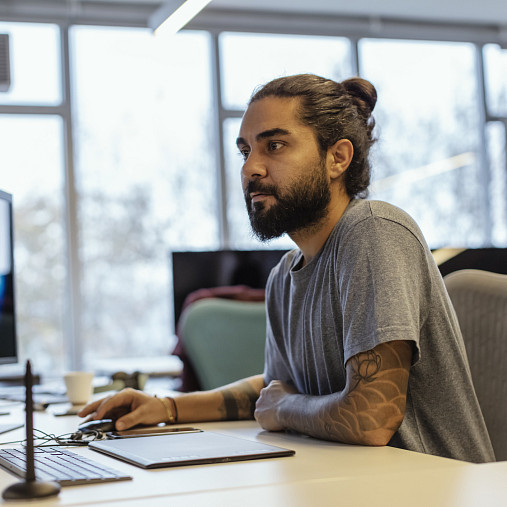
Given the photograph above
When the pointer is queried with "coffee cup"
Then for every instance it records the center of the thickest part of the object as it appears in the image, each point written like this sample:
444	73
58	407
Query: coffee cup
79	385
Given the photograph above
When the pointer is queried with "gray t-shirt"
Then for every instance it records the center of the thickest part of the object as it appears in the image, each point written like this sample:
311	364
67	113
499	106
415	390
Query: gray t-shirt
375	281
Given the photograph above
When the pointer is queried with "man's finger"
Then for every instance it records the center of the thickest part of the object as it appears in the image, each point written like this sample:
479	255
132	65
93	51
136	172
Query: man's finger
108	406
91	407
111	405
131	419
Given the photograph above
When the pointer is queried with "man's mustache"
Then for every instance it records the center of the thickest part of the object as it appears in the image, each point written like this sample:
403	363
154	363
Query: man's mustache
257	186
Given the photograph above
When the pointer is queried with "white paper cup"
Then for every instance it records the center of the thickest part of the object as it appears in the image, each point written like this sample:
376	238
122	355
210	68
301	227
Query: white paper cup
79	386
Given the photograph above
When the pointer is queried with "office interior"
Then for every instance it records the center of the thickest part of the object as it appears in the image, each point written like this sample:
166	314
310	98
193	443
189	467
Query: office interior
118	146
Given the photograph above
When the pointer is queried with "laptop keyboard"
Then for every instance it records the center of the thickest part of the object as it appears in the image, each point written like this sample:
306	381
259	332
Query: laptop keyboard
59	465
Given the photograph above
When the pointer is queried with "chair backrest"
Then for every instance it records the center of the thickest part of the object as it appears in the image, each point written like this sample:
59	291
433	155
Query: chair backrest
224	339
480	300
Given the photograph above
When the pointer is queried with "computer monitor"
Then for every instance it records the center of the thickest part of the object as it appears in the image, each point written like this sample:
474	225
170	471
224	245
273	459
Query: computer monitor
202	270
8	343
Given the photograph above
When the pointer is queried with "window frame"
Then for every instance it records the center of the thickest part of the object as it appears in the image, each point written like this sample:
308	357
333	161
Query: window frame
215	21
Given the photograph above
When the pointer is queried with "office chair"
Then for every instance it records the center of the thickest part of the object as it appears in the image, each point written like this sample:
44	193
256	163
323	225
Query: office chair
480	300
224	339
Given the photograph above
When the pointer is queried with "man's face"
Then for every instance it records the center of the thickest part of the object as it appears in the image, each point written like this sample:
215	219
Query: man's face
284	175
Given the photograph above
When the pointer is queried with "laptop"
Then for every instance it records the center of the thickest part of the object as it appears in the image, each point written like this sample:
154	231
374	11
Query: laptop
194	448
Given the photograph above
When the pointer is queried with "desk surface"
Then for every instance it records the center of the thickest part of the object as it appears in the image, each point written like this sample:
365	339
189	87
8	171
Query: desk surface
321	473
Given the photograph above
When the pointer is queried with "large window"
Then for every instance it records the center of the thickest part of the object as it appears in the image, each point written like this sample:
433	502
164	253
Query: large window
35	67
428	158
496	141
495	70
250	60
115	164
32	170
146	179
495	60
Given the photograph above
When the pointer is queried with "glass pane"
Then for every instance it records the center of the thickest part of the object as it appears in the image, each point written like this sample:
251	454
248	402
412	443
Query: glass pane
241	237
35	64
146	179
495	72
250	60
496	137
428	158
32	170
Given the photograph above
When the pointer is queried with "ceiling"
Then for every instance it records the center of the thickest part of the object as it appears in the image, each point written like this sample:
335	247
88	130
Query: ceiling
475	12
466	11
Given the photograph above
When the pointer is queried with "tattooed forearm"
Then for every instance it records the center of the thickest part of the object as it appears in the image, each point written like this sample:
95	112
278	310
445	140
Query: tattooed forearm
238	402
370	408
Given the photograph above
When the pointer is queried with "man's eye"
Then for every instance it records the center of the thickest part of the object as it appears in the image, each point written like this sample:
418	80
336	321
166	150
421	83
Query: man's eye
244	153
275	145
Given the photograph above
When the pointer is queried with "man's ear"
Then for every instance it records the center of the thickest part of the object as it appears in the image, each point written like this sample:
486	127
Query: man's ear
339	157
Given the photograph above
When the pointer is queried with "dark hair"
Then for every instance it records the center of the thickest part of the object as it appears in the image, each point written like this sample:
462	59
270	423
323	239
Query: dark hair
335	111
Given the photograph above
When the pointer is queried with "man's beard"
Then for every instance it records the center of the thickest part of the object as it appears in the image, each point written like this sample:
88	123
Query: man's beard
301	206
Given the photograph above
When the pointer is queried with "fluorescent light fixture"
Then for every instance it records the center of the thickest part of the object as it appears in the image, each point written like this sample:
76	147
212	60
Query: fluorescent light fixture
423	172
174	15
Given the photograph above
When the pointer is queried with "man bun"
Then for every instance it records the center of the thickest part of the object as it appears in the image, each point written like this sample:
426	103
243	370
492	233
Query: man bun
363	94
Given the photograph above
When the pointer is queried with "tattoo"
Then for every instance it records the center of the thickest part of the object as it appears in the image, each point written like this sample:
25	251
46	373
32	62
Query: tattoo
365	367
239	402
372	406
230	405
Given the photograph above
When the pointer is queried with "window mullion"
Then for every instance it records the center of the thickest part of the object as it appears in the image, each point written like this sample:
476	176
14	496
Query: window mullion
219	116
485	170
72	324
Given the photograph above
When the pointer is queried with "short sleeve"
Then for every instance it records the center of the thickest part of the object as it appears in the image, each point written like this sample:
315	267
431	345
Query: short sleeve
383	284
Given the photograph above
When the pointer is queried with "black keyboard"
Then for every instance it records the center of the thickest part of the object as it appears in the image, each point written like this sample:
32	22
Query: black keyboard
59	465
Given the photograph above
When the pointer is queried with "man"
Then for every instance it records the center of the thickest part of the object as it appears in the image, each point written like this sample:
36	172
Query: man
362	344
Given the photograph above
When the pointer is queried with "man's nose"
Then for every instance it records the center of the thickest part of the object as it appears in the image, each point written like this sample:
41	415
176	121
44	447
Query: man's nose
254	167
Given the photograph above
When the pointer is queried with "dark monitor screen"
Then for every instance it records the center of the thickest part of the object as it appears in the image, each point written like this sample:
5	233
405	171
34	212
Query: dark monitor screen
8	349
202	270
486	259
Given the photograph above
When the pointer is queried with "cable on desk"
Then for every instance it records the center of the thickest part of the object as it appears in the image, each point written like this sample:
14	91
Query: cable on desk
67	439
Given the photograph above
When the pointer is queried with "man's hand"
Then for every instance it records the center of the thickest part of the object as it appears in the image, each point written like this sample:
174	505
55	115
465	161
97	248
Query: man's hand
129	407
271	398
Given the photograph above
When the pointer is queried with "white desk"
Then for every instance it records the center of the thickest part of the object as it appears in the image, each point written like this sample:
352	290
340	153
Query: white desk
321	473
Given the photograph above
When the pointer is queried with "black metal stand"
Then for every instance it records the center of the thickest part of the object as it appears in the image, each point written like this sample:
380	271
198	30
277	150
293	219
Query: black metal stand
30	487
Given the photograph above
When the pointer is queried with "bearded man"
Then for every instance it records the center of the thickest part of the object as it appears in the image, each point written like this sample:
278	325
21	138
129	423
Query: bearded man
362	346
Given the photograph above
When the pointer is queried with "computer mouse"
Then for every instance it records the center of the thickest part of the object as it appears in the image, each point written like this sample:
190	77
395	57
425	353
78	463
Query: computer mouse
103	425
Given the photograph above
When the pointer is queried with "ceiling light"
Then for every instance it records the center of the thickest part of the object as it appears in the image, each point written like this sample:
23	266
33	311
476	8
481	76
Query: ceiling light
174	15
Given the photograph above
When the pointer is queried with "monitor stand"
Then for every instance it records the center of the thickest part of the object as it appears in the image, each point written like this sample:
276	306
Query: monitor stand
30	487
